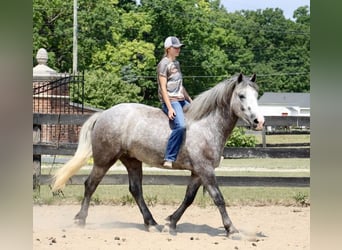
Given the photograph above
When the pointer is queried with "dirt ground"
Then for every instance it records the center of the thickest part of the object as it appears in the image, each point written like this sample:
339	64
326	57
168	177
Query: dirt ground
121	227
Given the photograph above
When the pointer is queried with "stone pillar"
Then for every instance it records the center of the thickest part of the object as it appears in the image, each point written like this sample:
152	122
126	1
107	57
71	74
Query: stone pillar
42	72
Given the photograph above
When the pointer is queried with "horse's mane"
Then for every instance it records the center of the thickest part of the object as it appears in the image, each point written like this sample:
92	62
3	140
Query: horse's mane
209	100
217	97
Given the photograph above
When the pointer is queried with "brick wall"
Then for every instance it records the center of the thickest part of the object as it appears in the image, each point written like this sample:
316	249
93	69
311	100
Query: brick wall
56	101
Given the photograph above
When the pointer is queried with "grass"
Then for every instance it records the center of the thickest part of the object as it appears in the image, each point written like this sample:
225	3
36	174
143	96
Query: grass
267	163
275	139
280	167
173	195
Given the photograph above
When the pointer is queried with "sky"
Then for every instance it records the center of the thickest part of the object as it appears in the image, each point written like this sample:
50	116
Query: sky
288	6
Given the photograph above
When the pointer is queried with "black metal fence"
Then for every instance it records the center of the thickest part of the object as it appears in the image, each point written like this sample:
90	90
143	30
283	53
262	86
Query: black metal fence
61	96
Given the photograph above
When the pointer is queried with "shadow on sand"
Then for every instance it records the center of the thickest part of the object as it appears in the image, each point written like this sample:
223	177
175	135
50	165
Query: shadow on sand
183	228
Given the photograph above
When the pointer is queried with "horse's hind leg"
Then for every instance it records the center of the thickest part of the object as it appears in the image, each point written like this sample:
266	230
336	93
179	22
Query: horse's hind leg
134	169
90	185
190	195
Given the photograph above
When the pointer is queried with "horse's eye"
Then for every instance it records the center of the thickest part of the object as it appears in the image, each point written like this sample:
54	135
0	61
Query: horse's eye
242	97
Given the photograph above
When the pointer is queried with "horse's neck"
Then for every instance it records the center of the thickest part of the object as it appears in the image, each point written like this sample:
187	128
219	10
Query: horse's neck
221	124
228	123
230	126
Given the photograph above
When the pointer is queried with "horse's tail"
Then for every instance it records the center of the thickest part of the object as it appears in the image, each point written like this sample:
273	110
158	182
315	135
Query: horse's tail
80	158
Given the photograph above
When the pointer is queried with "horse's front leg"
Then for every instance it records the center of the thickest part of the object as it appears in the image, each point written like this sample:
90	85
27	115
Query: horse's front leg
190	195
210	183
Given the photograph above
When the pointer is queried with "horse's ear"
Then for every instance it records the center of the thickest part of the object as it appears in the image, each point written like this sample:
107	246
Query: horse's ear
253	78
240	77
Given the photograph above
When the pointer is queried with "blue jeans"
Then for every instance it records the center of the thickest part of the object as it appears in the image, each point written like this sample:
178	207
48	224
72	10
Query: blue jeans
178	130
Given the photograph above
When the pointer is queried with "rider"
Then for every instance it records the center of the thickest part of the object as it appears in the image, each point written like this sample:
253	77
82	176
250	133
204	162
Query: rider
173	97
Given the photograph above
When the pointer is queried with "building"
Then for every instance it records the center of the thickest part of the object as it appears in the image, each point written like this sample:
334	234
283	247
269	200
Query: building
285	104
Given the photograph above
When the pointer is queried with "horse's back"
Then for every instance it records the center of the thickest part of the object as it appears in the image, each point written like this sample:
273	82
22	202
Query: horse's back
136	129
125	115
125	111
131	107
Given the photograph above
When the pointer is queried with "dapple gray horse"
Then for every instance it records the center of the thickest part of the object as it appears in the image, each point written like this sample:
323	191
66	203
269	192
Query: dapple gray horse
136	133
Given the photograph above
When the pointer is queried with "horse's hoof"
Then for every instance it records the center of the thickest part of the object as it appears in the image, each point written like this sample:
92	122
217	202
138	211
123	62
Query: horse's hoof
170	230
79	222
232	231
166	228
153	229
246	236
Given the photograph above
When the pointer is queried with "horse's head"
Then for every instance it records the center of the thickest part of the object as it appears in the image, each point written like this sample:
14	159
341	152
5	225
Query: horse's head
244	102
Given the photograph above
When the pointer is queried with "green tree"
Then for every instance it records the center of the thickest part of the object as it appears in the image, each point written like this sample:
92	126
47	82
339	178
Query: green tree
213	51
280	49
52	30
302	15
129	56
95	21
104	89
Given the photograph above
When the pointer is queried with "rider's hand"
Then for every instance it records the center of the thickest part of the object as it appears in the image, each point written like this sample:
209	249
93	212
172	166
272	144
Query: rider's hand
171	114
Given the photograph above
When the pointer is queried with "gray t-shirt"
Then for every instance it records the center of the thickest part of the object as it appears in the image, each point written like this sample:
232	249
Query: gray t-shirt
174	83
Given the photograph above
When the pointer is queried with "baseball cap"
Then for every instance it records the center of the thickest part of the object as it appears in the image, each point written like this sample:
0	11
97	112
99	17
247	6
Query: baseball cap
172	41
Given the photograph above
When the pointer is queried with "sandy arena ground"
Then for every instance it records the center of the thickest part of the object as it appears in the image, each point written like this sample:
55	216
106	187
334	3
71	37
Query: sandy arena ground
121	227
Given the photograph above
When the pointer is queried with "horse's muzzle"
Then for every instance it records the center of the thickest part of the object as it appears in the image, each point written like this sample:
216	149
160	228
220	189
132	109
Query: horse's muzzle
258	123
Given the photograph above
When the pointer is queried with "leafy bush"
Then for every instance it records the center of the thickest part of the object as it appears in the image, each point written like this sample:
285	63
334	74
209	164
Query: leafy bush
238	138
151	200
302	199
127	200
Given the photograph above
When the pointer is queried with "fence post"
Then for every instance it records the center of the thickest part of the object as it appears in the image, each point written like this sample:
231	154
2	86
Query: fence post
263	135
36	158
